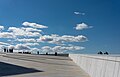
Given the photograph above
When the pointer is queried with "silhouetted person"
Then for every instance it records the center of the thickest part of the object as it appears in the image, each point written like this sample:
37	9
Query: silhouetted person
46	53
55	53
7	50
100	53
38	52
19	52
4	49
11	50
106	53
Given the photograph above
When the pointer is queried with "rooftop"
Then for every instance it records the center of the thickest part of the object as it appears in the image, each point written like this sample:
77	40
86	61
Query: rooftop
26	65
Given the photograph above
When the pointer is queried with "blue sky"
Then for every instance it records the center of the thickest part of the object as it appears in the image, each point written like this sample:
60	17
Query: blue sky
101	17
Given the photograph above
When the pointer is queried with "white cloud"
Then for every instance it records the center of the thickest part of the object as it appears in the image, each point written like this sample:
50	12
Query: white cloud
82	26
24	32
22	47
6	35
56	39
69	38
3	43
68	48
76	12
31	29
17	31
45	38
31	44
34	49
11	47
26	40
1	28
2	47
46	49
34	25
79	13
25	46
61	48
33	34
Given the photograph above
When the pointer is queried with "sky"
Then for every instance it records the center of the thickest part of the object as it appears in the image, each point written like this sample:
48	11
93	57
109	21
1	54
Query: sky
69	26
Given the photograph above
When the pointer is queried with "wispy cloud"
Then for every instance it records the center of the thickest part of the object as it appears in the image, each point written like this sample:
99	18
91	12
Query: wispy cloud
82	26
79	13
34	25
26	40
3	43
31	44
61	48
31	29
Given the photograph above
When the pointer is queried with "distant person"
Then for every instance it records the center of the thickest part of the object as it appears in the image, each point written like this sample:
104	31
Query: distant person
46	53
7	50
38	52
4	49
100	52
11	50
106	53
55	53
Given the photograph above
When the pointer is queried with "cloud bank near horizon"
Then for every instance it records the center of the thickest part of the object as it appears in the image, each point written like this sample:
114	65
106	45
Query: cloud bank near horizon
30	36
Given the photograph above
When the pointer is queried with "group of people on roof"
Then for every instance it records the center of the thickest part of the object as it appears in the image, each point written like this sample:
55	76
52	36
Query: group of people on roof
103	53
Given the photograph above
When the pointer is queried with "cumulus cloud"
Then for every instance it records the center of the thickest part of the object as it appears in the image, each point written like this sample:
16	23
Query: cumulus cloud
6	35
28	36
34	25
61	48
17	31
22	47
56	39
24	32
82	26
26	40
79	13
1	28
25	46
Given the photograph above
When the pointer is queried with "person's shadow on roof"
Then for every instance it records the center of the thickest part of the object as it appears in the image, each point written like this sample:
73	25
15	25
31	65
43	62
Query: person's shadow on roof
10	69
